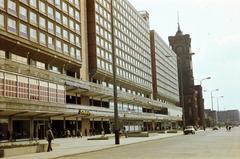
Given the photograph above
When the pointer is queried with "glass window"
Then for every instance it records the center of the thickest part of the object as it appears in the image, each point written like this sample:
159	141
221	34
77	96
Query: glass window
71	11
33	34
33	3
24	1
58	31
33	18
42	38
11	25
58	3
64	7
50	27
78	42
50	42
77	26
65	48
71	24
71	37
65	34
12	7
42	22
59	45
78	54
2	4
2	21
65	20
77	3
23	32
42	7
50	12
23	13
58	17
77	15
72	52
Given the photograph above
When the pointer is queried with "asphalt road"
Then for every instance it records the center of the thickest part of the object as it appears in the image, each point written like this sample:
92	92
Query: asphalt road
219	144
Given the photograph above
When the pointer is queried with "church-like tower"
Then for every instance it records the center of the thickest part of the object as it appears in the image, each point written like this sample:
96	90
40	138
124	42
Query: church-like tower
181	45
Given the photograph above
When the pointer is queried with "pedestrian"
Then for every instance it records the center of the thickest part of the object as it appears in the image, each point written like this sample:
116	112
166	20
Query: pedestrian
50	137
68	133
79	133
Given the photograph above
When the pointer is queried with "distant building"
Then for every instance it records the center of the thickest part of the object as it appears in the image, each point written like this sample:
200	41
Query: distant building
210	117
229	117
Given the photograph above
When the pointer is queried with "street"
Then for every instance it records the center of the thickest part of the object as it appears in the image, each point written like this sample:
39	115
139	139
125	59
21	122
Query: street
219	144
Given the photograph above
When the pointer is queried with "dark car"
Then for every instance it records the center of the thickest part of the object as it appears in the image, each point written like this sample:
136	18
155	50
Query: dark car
215	128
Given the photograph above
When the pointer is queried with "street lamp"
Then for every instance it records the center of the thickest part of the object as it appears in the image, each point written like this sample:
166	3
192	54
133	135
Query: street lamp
215	90
116	131
204	79
218	102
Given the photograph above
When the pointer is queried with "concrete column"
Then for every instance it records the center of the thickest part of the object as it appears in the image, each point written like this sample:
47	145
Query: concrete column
153	125
64	123
85	126
76	123
10	128
31	128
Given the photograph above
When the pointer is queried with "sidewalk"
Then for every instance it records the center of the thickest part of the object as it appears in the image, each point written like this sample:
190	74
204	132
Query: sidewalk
70	146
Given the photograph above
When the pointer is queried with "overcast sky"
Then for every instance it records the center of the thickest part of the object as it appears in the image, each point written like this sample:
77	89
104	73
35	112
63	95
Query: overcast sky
214	27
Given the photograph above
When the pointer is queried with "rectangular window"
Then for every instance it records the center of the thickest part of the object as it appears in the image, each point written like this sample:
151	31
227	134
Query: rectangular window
42	23
23	31
71	11
12	7
50	27
58	45
50	42
11	85
33	34
42	7
2	2
33	89
43	91
78	54
65	34
42	38
78	42
50	12
65	48
19	59
22	13
65	7
72	52
58	31
58	3
33	3
1	84
23	87
71	37
52	92
2	24
11	25
77	3
58	17
33	18
65	21
60	94
71	24
77	26
77	16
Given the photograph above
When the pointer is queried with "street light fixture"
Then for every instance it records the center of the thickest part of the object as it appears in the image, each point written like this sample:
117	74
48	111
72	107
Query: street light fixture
204	79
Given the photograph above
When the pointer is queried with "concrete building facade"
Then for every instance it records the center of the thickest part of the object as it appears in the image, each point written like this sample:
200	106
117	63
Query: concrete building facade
56	69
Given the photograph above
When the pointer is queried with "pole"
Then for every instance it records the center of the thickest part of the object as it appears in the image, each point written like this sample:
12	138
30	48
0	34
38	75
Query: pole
116	130
212	100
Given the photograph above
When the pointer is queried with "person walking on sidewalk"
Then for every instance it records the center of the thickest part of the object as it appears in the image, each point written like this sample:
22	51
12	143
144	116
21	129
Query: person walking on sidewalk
50	137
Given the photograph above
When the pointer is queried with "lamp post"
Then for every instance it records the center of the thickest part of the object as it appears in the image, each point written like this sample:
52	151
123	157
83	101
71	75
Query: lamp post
116	128
218	107
215	90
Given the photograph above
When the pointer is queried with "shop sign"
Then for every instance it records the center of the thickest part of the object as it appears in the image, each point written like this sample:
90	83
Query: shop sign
84	112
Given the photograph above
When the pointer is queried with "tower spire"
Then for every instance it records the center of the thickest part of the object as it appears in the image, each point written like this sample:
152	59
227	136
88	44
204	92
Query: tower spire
179	32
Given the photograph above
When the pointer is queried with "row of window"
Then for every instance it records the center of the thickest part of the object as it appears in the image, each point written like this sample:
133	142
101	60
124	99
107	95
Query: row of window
104	54
32	89
43	38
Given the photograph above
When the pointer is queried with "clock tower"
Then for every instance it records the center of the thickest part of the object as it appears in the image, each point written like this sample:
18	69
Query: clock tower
181	45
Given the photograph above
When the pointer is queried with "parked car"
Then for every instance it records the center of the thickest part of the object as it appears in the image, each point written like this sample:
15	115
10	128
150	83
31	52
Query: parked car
189	130
215	128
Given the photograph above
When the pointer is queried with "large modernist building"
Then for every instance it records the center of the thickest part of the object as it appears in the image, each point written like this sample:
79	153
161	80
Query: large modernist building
56	69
